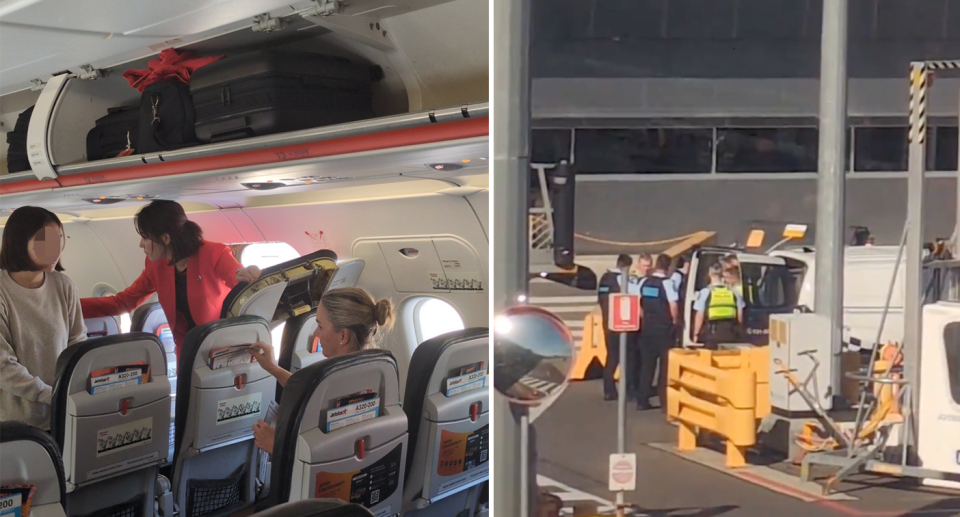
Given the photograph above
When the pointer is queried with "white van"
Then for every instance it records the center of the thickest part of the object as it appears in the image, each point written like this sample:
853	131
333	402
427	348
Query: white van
784	281
867	273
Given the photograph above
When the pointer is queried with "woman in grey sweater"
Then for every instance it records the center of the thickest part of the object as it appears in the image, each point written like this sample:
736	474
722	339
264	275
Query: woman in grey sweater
39	314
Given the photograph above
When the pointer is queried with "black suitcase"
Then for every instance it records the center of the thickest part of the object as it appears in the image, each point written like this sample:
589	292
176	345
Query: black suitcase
114	132
166	118
267	92
17	160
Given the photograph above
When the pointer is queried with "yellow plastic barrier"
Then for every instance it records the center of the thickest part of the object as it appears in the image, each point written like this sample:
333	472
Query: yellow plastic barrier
591	345
703	397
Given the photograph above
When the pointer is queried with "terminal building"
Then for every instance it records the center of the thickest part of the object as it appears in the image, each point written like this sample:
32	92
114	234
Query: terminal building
685	115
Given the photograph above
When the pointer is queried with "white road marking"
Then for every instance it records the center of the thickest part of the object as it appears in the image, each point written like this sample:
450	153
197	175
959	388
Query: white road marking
571	496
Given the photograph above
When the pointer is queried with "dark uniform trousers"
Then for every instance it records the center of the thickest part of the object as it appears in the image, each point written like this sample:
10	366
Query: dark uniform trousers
655	344
722	331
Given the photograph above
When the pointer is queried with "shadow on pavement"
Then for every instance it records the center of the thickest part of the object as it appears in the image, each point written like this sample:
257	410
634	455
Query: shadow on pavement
687	512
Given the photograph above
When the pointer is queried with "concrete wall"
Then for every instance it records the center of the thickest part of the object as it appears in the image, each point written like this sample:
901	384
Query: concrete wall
653	210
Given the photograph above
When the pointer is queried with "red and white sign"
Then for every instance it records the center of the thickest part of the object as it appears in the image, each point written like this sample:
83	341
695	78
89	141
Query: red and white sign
624	312
623	472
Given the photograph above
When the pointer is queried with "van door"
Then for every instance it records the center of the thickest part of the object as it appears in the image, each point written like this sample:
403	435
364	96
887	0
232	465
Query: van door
768	288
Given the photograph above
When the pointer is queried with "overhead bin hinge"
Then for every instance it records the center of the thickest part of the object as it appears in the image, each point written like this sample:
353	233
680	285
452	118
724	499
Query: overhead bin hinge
89	73
37	85
323	8
266	23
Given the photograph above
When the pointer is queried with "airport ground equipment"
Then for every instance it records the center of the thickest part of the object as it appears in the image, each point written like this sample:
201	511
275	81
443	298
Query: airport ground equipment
111	428
703	397
29	456
801	344
447	403
317	508
341	433
215	461
938	416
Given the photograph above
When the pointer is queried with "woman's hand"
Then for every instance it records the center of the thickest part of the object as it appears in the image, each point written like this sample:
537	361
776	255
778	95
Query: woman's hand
248	274
263	436
266	356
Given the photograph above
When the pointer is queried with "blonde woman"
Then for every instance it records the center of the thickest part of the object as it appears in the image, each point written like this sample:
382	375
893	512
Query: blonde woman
348	320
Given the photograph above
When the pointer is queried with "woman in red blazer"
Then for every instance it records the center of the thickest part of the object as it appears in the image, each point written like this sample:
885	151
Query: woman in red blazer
191	276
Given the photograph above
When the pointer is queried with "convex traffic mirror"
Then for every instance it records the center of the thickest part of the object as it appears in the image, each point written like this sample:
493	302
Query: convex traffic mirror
532	355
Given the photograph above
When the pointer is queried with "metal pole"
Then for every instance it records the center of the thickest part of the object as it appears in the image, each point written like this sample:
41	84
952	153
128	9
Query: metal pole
511	172
622	389
832	176
913	297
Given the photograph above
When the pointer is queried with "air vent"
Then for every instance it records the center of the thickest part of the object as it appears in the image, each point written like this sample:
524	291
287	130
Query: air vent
264	186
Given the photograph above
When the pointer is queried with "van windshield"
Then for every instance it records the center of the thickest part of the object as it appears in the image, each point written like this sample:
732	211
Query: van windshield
771	286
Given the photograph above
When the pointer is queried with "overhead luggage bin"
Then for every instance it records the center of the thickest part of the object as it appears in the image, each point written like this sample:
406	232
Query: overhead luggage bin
285	290
326	507
29	457
215	459
354	451
448	407
111	417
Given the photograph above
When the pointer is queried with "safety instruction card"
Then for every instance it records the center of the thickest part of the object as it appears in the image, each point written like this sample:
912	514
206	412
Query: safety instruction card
472	377
354	412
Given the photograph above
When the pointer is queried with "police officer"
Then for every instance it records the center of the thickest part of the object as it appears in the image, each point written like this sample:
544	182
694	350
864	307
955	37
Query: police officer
610	283
719	312
658	304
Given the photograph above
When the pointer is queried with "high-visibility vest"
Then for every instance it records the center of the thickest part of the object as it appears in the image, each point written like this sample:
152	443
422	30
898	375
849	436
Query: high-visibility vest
722	304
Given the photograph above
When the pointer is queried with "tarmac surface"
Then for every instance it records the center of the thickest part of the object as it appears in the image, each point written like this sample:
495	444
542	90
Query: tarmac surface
577	432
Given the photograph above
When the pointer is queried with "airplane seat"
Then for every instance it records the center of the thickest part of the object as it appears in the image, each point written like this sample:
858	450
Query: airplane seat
447	404
151	319
298	346
215	459
110	417
326	507
283	291
100	327
341	433
31	459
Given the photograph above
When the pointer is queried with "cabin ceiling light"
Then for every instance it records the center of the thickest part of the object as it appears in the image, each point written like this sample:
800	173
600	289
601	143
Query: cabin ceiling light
104	200
445	166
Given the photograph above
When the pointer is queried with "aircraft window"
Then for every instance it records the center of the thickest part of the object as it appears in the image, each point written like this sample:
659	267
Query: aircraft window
433	317
951	340
264	255
124	323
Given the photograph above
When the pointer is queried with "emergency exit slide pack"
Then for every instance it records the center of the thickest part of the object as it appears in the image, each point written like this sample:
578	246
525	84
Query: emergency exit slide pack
227	356
353	409
471	377
121	376
15	500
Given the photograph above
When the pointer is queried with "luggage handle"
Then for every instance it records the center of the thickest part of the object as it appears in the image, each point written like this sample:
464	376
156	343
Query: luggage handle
231	130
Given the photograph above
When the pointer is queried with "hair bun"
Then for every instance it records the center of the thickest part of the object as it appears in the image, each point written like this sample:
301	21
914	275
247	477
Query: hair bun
384	312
